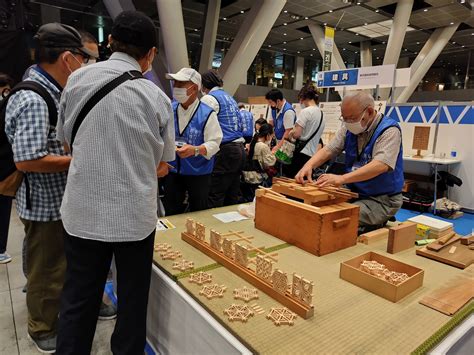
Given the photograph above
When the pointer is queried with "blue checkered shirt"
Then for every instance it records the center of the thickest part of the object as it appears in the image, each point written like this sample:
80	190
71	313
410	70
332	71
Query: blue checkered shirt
28	130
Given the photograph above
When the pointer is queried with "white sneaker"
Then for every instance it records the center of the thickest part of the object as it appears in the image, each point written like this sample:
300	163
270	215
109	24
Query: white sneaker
5	258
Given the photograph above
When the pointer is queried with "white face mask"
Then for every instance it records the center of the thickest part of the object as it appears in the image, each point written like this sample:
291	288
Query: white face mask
180	94
356	127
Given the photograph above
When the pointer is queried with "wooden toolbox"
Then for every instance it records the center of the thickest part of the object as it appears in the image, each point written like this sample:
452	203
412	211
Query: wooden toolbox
350	271
317	226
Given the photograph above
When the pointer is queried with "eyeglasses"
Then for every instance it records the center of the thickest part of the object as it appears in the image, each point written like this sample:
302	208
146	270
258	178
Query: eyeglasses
352	120
85	57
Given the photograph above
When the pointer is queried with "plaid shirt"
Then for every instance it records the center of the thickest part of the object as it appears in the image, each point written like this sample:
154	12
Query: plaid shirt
27	128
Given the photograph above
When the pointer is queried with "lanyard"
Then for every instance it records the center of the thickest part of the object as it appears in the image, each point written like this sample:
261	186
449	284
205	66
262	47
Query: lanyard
359	154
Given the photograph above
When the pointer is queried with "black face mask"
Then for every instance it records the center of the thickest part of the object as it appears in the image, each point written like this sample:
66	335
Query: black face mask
273	108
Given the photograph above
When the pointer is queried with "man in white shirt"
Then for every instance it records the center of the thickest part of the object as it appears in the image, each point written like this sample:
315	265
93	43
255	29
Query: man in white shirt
198	136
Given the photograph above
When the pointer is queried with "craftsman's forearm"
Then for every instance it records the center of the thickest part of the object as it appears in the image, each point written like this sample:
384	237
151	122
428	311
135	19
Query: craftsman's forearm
367	172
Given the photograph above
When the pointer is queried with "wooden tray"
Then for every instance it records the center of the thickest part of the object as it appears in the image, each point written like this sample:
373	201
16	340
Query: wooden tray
461	258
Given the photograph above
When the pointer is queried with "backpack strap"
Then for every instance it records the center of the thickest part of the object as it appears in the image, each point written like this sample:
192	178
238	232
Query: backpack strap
45	95
99	95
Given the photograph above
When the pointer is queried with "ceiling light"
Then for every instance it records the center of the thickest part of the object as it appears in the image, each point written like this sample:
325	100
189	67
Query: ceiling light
425	10
298	52
406	50
358	3
196	29
314	49
463	46
330	10
284	42
377	10
454	42
325	23
224	18
417	42
242	11
350	42
416	52
301	38
378	57
383	42
343	49
284	24
286	11
284	34
306	17
357	34
284	49
451	23
356	52
310	55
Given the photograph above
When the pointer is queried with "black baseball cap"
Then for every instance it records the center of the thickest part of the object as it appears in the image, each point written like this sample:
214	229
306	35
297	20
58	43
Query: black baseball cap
58	35
136	28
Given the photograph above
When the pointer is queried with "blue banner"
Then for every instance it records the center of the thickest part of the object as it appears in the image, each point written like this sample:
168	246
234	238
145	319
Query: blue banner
338	78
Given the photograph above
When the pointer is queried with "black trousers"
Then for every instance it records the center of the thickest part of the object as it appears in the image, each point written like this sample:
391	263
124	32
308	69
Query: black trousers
175	187
5	210
225	183
297	162
88	262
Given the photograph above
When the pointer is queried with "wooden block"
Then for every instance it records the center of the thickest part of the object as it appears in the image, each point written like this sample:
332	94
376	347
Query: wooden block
371	237
462	258
446	238
401	237
467	240
452	250
341	222
450	298
437	247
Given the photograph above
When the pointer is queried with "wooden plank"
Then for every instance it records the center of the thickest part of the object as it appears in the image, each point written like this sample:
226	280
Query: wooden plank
443	240
401	237
467	240
461	258
371	237
248	275
437	247
451	297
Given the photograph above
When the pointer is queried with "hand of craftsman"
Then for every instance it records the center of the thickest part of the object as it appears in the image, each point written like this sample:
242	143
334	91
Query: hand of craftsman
330	179
305	172
185	151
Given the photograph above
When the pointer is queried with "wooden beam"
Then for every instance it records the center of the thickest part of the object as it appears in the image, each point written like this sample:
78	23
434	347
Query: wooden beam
248	275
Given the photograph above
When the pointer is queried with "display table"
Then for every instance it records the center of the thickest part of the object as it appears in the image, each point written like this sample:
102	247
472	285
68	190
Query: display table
347	319
434	163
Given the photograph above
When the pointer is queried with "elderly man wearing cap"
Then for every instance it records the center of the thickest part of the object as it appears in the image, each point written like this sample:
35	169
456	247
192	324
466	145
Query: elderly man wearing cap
39	154
197	135
109	206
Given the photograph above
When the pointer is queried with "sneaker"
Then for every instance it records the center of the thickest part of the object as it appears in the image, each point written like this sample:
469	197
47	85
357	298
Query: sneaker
45	346
5	258
107	312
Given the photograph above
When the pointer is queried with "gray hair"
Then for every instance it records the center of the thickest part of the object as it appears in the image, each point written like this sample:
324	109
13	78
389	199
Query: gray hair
362	98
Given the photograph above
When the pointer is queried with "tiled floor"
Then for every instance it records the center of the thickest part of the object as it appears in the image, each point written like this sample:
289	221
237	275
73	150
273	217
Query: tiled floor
13	312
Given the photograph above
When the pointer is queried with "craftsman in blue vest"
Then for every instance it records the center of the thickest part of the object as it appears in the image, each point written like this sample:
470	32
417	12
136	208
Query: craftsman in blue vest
247	123
283	116
198	136
373	162
225	185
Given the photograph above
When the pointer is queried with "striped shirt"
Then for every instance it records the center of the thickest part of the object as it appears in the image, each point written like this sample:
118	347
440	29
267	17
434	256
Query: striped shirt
386	147
28	131
111	194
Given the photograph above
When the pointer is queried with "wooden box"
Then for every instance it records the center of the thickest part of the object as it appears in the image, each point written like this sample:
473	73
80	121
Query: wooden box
350	272
318	230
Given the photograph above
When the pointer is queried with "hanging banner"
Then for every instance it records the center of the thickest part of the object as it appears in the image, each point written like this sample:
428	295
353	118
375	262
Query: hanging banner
328	47
381	75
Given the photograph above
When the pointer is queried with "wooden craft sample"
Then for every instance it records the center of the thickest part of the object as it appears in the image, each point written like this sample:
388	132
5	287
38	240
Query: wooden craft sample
310	229
435	246
213	291
421	138
200	231
257	309
374	236
445	239
281	316
449	298
467	240
302	289
382	272
162	247
245	294
401	237
200	278
461	258
190	226
280	281
171	255
183	265
216	240
228	248
242	254
264	268
239	312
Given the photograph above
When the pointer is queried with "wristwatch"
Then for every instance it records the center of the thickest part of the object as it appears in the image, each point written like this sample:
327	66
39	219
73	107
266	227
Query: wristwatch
196	151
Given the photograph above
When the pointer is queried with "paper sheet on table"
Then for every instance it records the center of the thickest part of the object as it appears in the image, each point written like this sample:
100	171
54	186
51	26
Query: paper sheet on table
164	224
228	217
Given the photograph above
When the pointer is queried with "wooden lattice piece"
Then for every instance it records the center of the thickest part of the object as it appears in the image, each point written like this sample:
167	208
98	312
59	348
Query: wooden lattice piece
280	281
190	226
183	265
162	247
242	255
200	278
228	248
240	312
257	309
281	316
213	291
200	231
264	268
246	294
171	255
216	240
302	289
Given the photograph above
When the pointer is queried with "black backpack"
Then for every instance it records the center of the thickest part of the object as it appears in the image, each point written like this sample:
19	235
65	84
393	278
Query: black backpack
7	165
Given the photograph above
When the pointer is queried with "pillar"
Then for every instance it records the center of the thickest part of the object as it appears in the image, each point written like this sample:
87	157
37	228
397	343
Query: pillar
299	69
365	54
397	32
209	34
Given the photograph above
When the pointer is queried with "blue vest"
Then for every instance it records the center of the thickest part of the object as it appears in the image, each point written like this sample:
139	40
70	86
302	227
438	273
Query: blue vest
278	124
247	123
229	116
193	134
388	183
